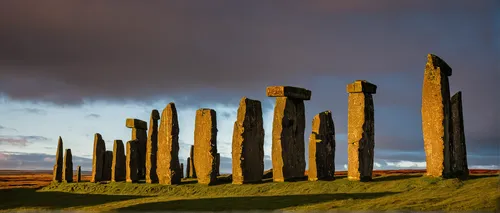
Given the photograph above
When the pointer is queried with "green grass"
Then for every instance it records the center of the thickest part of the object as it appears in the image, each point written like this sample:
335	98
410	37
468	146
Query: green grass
399	192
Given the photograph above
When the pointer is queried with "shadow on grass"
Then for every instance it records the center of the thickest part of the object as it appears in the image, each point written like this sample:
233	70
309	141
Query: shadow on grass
249	203
395	177
476	176
30	198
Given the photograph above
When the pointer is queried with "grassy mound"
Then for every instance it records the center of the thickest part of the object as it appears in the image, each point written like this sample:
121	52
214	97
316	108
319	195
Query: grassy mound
393	192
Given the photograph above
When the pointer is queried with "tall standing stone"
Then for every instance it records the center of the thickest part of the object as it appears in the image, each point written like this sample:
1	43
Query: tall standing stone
118	168
205	148
168	167
460	167
107	168
322	147
58	165
79	174
248	143
360	130
436	124
182	170
131	162
192	170
68	166
152	148
98	158
139	133
288	149
188	167
217	164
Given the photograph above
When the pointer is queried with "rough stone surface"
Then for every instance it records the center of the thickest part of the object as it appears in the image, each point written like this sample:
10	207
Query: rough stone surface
188	167
58	165
131	162
68	166
205	148
217	164
248	143
168	166
98	158
79	174
460	167
288	150
360	136
182	170
287	91
362	86
192	170
139	133
136	123
322	147
152	148
118	168
107	168
436	117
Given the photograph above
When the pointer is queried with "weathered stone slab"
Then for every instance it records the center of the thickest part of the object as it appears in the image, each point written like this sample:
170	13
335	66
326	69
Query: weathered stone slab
58	165
152	148
192	170
322	148
79	174
460	167
290	92
182	170
217	164
98	158
288	149
360	135
118	168
131	162
136	123
205	148
68	166
168	166
107	169
436	117
188	167
362	86
248	143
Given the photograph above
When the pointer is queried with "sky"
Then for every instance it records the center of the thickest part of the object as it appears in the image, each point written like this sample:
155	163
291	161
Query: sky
76	68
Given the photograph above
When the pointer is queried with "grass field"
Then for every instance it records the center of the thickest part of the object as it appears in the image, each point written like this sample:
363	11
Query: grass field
388	191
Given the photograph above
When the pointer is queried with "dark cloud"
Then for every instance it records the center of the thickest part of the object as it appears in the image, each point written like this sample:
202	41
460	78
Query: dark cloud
225	115
37	161
93	116
32	111
20	140
7	128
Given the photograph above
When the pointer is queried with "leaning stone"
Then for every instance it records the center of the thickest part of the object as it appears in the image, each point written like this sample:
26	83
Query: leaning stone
98	158
192	170
58	165
136	123
139	133
168	166
290	92
288	149
107	168
131	162
436	124
360	131
460	167
68	166
152	148
188	167
248	143
205	149
118	168
79	174
322	148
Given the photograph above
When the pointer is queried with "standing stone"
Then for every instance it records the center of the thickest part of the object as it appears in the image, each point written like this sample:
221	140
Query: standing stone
168	166
98	158
288	149
182	170
107	168
436	124
217	164
460	167
152	148
139	133
248	143
131	162
205	148
360	130
118	168
192	170
322	148
58	165
68	166
188	167
79	174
